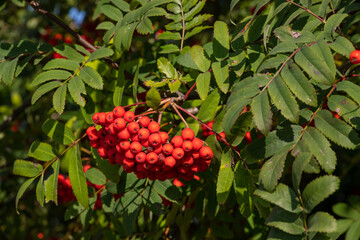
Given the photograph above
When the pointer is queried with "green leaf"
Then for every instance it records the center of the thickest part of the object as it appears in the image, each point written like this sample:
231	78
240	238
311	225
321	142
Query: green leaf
336	130
77	177
167	190
283	48
69	52
174	85
153	98
346	108
322	222
208	107
77	87
196	31
273	62
221	74
225	177
354	231
169	48
59	98
169	36
58	131
100	53
332	23
221	40
299	84
197	54
26	168
233	3
73	211
346	211
236	132
41	151
51	183
167	68
243	190
233	113
62	64
276	234
185	59
262	115
40	191
43	89
320	147
197	21
283	196
110	171
95	176
106	25
324	51
120	85
284	100
300	163
351	89
318	190
145	27
88	111
21	191
314	65
50	75
272	171
91	77
8	71
286	221
203	84
122	5
111	12
343	46
195	10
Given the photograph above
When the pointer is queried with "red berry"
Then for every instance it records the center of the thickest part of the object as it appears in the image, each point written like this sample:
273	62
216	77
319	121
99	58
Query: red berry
206	153
135	147
187	134
164	137
101	133
112	129
124	134
118	148
119	111
154	127
128	162
177	141
144	121
210	124
102	152
188	161
222	134
195	155
92	133
170	162
119	158
129	154
187	146
152	158
140	157
119	124
195	168
143	134
94	144
102	118
109	117
134	138
178	153
178	183
158	149
154	139
355	56
124	145
247	137
110	140
197	144
145	143
95	118
133	127
129	116
167	149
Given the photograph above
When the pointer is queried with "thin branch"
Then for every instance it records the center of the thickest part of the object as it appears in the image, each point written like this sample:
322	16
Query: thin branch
307	10
183	29
174	105
189	91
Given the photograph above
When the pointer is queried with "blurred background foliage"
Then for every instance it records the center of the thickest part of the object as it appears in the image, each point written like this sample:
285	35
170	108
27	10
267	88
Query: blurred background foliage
18	21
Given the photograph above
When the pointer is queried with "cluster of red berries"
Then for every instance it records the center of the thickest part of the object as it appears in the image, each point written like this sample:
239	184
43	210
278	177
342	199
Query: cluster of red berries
140	147
355	57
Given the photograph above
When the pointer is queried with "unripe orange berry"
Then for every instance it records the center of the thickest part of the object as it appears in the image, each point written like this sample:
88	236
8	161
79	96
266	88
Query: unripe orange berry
170	162
124	145
154	139
167	149
154	127
197	144
152	158
178	153
187	146
119	111
135	147
143	134
206	153
144	121
177	141
109	117
129	116
140	157
164	137
187	134
133	127
124	134
119	124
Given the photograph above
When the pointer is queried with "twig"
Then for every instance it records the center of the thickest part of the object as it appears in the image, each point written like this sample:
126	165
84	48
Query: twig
174	105
183	29
307	10
189	91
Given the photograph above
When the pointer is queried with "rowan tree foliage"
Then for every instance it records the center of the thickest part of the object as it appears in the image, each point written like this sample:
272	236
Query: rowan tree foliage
271	89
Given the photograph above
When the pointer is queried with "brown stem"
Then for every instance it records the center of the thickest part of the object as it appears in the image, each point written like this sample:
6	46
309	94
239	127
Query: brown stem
189	91
307	10
179	114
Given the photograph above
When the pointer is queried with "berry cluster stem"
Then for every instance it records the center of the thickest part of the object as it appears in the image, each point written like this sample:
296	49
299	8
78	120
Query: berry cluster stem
175	107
